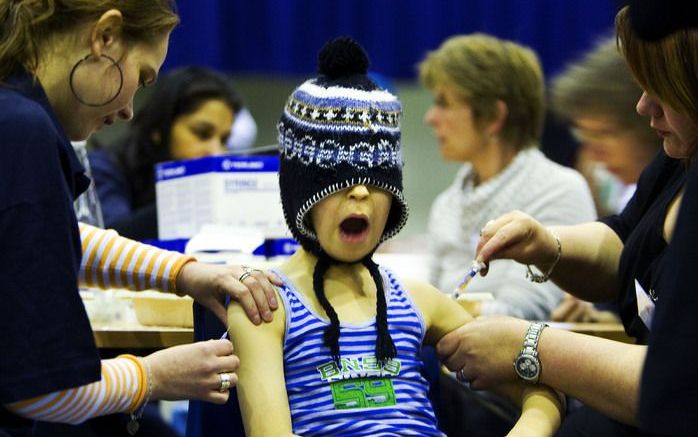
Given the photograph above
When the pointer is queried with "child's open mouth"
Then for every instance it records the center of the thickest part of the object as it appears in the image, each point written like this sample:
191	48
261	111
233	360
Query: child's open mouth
354	229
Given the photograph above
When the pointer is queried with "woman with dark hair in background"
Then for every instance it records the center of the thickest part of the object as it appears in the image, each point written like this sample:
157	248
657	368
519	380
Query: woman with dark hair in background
189	114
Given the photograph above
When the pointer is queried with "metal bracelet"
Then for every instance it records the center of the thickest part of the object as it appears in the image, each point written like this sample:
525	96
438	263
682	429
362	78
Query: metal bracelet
540	278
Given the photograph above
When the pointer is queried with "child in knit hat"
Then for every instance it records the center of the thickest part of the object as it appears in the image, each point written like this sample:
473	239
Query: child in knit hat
342	355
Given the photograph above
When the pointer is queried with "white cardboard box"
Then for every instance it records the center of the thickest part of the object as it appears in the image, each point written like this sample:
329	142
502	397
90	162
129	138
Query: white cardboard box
219	190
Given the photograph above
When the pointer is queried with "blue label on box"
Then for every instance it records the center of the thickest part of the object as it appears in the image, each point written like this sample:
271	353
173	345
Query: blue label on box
270	248
281	247
215	164
176	245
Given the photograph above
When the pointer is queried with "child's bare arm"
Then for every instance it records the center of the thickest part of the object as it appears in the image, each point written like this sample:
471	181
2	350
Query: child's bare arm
261	386
440	312
541	407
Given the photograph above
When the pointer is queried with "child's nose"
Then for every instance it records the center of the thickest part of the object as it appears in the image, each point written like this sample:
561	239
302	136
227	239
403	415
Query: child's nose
358	192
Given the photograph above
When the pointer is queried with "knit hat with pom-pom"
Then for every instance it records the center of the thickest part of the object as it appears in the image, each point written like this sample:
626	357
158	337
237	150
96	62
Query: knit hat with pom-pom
339	130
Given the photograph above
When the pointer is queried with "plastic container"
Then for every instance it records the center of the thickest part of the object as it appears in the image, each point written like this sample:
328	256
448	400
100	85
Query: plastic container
163	309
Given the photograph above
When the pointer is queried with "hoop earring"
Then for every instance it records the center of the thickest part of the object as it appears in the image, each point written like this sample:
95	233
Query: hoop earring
95	105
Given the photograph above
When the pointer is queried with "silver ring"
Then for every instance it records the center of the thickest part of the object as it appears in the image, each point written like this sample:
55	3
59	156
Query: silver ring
460	375
247	272
245	275
225	382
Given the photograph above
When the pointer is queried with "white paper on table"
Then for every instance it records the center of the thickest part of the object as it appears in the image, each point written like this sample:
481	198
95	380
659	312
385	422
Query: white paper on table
219	238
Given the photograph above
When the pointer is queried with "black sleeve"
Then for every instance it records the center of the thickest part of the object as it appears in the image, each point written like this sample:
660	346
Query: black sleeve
669	390
112	187
651	182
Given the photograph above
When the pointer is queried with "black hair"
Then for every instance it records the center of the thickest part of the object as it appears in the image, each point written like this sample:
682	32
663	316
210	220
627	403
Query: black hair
147	142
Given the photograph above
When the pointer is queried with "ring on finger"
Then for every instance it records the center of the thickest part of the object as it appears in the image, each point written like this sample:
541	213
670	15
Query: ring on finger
460	375
247	272
224	379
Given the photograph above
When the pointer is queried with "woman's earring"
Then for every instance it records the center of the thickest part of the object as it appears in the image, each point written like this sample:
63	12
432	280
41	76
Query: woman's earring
83	101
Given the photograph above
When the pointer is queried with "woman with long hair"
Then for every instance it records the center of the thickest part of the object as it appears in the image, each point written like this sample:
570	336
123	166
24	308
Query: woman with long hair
68	67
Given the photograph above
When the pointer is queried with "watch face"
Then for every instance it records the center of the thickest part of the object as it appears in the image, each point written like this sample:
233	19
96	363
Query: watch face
527	367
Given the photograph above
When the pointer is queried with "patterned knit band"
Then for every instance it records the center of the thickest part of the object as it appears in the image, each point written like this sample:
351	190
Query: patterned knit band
336	131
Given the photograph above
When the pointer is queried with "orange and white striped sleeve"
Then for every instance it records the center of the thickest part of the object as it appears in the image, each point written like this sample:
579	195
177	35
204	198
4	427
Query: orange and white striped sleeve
112	261
123	387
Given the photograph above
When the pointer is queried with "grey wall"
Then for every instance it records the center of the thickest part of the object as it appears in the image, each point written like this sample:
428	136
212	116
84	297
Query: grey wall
425	174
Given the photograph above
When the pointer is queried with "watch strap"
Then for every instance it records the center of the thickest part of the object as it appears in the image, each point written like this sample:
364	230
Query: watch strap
533	336
530	349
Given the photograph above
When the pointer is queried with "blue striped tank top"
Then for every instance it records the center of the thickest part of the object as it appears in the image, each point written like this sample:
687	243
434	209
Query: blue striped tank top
360	396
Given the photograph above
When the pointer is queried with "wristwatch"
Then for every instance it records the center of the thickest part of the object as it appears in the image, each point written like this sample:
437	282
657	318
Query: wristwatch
527	364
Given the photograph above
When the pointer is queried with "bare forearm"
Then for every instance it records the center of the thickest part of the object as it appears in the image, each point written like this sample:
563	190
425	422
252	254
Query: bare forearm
542	408
541	413
603	374
588	267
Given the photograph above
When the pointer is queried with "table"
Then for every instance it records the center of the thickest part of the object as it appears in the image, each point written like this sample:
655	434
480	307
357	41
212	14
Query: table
134	335
611	331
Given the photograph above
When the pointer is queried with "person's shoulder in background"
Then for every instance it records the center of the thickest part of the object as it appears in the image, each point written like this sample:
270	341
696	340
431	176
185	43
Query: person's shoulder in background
243	133
111	185
559	176
557	142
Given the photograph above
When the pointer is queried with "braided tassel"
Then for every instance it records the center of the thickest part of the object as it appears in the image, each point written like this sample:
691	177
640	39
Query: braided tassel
331	336
385	347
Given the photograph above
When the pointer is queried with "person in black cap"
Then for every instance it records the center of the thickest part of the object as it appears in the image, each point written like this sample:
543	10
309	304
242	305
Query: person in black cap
342	357
644	258
654	19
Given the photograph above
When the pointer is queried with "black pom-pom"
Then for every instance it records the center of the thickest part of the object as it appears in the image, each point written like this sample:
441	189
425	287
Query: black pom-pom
342	57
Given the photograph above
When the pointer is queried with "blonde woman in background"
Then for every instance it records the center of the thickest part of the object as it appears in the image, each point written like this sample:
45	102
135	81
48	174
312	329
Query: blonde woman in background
488	113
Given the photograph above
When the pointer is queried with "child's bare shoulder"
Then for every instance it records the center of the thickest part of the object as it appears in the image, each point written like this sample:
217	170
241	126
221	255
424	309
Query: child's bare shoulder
421	291
239	321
